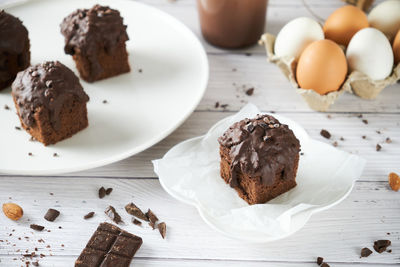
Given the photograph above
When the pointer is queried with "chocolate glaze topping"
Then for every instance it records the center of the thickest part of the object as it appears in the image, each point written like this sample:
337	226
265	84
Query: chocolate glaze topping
48	85
261	147
13	40
87	30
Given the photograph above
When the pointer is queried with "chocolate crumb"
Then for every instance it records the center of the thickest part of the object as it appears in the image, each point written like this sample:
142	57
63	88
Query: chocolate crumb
30	154
388	233
216	104
248	54
36	227
378	147
32	139
301	153
360	116
388	140
378	132
325	134
17	128
365	252
89	215
250	91
320	260
35	263
51	215
55	155
132	209
224	106
364	137
234	69
365	121
105	101
162	227
381	245
6	107
113	214
136	222
108	191
152	218
102	192
335	144
389	251
140	70
341	138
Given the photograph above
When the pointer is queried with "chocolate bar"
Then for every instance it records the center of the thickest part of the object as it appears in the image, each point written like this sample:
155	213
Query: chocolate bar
109	246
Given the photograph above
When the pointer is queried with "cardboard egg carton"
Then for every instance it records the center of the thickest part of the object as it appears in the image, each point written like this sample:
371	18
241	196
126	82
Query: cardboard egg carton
362	4
357	83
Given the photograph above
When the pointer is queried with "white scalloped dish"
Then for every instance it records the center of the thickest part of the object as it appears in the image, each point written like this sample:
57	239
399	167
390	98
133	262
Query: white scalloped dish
190	173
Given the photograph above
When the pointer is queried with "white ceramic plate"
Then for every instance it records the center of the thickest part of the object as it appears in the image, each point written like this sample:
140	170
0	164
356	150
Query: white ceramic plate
190	173
142	109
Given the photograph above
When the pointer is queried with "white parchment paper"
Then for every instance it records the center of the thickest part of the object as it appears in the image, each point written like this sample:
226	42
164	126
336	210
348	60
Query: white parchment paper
190	172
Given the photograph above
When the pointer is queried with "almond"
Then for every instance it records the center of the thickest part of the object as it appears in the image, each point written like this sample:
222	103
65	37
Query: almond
13	211
394	181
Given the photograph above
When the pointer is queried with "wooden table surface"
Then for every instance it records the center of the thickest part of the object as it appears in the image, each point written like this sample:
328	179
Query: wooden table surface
371	212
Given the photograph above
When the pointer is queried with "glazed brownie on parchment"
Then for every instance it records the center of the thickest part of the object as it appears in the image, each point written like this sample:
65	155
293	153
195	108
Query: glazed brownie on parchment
96	40
50	102
14	48
259	158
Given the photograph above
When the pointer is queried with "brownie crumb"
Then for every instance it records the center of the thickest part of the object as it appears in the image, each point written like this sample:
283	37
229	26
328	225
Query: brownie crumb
18	128
388	140
216	105
136	222
6	107
105	101
365	121
113	214
325	134
381	245
320	260
132	209
36	227
108	191
378	147
152	218
89	215
162	227
51	215
365	252
102	192
250	91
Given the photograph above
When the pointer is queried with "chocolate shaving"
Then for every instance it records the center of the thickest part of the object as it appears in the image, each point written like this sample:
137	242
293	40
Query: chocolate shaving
136	222
365	121
132	209
381	245
162	227
365	252
152	218
325	134
51	215
36	227
378	147
102	192
89	215
113	214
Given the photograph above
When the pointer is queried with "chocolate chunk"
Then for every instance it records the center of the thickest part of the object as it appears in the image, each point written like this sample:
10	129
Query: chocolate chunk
250	91
378	147
320	260
152	218
109	246
102	192
37	227
113	214
89	215
108	191
51	215
324	264
381	245
132	209
365	121
162	227
365	252
136	222
325	134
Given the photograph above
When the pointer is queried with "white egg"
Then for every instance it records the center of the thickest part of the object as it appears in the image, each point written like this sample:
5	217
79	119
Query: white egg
296	35
370	52
386	17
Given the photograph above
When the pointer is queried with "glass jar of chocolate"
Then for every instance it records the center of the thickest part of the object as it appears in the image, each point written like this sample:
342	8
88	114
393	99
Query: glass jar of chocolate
232	23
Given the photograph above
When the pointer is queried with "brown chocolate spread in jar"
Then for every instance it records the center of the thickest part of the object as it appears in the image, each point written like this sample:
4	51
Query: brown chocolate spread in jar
232	23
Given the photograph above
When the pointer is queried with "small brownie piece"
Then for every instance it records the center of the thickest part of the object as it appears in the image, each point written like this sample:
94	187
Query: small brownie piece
109	246
259	158
14	48
50	102
96	39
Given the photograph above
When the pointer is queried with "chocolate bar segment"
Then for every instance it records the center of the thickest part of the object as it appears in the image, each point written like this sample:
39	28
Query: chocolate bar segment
109	246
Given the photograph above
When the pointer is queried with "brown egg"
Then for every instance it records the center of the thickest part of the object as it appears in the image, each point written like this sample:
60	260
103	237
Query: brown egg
396	48
322	67
342	24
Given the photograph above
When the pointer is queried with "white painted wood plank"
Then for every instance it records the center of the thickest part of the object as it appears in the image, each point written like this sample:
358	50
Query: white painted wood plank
348	126
337	234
